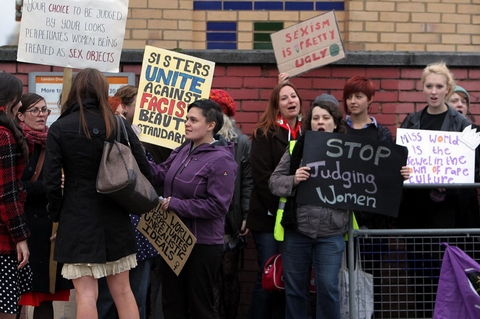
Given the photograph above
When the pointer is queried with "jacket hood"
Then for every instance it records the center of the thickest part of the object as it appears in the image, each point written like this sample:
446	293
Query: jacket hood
87	103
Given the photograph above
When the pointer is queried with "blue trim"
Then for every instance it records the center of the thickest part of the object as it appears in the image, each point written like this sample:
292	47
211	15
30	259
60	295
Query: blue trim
329	6
299	6
221	26
221	45
207	5
268	5
237	5
221	36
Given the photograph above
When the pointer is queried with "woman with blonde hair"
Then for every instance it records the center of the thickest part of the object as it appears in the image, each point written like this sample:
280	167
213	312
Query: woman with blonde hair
424	207
95	237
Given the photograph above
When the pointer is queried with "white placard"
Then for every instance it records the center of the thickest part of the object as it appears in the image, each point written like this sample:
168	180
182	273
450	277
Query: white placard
73	33
437	157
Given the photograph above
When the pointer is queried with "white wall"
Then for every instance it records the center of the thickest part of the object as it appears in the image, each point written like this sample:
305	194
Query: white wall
8	26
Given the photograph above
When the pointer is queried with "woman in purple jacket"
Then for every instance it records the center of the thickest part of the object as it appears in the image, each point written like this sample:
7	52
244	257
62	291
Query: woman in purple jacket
199	181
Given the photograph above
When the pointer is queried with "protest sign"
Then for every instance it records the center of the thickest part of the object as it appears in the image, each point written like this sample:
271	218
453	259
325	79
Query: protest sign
169	82
169	235
352	172
438	157
308	45
73	33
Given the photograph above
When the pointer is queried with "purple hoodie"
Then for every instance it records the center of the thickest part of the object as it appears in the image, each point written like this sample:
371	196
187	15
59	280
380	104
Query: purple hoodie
201	186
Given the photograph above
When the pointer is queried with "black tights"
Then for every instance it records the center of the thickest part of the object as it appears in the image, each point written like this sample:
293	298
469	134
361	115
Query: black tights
230	284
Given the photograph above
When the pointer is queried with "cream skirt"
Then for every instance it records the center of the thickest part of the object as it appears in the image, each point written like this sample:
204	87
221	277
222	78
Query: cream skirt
74	271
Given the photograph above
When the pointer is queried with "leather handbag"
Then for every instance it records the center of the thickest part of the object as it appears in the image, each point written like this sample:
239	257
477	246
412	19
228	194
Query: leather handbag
120	178
272	278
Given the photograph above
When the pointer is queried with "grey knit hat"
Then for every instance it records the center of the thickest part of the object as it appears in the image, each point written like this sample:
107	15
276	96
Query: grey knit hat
326	97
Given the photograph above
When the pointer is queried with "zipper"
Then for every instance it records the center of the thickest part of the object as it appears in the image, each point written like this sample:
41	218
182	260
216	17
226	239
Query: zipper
180	170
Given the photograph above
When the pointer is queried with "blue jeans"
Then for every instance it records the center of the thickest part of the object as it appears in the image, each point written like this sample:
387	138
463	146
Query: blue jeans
299	252
265	304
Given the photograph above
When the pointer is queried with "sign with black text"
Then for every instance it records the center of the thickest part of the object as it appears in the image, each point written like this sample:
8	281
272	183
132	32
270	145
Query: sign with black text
351	172
169	235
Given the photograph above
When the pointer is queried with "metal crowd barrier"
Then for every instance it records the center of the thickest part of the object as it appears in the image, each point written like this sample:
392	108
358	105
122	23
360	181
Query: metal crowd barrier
405	265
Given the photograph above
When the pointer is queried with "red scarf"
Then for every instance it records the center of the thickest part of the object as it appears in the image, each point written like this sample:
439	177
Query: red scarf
34	137
295	132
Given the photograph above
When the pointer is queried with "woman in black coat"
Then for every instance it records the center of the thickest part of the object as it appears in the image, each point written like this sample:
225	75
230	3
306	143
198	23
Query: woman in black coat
32	118
95	237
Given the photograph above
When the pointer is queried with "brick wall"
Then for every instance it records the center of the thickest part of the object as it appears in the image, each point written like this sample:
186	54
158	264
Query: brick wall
398	92
372	25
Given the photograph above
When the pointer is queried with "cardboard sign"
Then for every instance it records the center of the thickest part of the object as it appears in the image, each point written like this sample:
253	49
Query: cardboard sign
169	82
73	33
308	45
437	157
352	172
169	235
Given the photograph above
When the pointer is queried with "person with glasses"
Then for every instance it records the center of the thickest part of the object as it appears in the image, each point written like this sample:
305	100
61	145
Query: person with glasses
32	118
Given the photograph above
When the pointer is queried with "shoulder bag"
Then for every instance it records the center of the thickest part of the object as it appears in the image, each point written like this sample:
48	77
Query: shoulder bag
120	178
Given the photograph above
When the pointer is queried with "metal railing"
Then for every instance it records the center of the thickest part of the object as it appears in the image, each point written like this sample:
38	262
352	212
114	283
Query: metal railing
405	265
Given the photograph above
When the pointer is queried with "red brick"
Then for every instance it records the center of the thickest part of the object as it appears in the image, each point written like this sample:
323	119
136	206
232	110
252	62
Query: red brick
459	73
411	73
474	74
397	85
23	78
265	95
9	67
383	73
347	72
137	69
326	84
324	72
395	108
28	67
386	96
302	83
410	97
244	71
264	83
269	71
226	82
246	117
247	128
244	94
257	106
386	119
469	85
219	71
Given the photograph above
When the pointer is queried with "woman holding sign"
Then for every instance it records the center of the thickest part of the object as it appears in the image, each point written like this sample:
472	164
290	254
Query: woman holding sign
280	123
95	237
318	239
433	207
199	181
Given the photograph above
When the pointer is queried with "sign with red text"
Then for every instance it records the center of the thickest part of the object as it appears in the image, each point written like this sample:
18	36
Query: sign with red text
169	82
438	157
308	45
169	235
73	33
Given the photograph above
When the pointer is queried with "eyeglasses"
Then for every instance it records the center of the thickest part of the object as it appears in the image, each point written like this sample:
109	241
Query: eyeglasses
36	111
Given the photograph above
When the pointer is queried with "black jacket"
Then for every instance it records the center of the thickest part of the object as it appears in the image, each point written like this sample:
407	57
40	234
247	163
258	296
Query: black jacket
92	228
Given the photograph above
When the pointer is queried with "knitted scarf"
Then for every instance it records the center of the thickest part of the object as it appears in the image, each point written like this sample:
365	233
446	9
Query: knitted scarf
34	137
289	219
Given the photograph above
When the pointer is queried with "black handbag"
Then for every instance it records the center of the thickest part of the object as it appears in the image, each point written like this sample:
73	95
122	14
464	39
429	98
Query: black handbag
120	178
